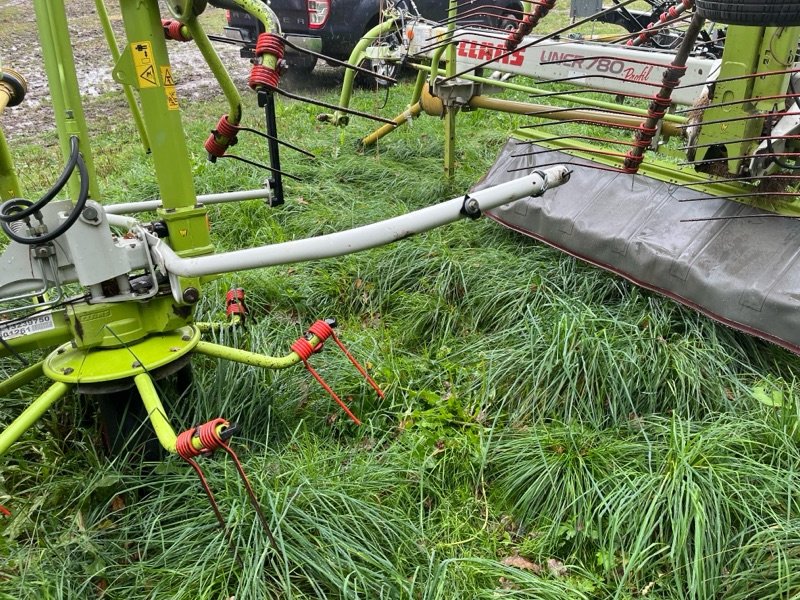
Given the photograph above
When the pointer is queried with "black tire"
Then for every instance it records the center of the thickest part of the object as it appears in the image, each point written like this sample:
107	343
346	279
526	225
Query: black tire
760	13
125	426
381	67
301	64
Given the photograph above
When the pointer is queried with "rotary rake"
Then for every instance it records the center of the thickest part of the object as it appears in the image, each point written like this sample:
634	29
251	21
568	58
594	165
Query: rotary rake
110	298
681	125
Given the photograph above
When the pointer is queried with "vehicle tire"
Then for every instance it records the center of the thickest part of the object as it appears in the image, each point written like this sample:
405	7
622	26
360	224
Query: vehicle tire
124	424
301	64
760	13
393	39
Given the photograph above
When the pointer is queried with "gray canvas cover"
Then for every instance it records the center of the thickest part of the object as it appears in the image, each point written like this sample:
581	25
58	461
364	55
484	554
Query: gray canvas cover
743	272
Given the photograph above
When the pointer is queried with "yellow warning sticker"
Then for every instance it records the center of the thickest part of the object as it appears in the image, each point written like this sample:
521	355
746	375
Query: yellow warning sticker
144	63
169	88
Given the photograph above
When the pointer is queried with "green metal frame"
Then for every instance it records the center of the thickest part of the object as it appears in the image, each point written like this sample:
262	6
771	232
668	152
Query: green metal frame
97	343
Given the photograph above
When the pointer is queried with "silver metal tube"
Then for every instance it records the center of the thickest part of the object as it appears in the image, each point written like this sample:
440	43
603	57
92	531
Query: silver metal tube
360	238
129	208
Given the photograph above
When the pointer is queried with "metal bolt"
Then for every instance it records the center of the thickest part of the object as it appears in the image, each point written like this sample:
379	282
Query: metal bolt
90	213
61	351
174	349
191	295
136	364
186	338
68	370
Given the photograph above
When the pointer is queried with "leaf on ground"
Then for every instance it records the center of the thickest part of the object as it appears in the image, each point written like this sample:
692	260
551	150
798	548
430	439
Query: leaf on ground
522	563
556	567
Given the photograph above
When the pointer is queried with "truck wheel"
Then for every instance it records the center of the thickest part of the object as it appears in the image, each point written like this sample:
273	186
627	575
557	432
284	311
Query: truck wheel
760	13
393	39
301	64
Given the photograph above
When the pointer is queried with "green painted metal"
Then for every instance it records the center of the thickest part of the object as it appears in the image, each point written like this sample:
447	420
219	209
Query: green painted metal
31	415
217	69
9	182
111	40
40	340
357	56
591	102
260	11
251	358
155	412
59	64
657	169
21	378
97	365
450	111
756	50
145	64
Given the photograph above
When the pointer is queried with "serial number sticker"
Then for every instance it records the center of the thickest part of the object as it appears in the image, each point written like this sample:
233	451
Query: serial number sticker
35	324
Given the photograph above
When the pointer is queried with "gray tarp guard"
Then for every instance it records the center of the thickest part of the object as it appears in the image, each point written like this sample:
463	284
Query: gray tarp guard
742	272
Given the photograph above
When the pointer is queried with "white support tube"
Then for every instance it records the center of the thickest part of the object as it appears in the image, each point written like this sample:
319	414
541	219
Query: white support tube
360	238
129	208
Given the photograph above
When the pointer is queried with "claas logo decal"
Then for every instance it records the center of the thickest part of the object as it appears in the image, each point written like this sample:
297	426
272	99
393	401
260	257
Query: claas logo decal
488	51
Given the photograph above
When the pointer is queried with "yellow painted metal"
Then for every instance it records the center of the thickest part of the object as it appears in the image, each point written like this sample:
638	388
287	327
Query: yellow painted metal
30	415
21	378
98	365
251	358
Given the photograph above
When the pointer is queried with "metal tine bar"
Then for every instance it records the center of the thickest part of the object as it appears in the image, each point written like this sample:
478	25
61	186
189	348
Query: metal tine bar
348	111
587	150
253	163
745	118
478	10
226	40
597	76
280	141
555	33
595	58
588	91
736	179
749	195
592	166
762	138
459	33
740	77
336	61
742	101
479	44
589	121
742	157
559	109
764	215
514	10
574	137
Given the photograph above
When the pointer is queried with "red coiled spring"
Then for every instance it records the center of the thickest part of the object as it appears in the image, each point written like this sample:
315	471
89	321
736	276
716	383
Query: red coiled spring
528	23
211	439
234	304
221	138
303	348
262	75
174	30
649	32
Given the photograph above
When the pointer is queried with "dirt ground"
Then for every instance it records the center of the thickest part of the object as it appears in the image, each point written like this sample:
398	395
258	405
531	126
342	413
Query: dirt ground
19	50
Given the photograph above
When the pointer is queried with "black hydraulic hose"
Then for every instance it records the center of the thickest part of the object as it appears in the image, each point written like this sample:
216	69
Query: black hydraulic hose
83	196
34	207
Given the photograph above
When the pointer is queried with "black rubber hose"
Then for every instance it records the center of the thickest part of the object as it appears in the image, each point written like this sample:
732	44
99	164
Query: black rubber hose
83	196
33	207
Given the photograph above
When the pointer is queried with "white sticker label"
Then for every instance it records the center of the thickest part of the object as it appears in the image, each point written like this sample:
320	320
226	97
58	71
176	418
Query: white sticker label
35	324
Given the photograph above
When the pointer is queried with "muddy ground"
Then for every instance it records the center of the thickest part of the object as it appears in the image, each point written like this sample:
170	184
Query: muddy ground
19	50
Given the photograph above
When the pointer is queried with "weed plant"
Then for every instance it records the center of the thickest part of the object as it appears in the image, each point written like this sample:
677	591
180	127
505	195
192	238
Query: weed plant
549	431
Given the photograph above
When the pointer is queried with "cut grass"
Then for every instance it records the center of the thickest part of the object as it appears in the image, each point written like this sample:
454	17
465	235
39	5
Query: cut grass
536	408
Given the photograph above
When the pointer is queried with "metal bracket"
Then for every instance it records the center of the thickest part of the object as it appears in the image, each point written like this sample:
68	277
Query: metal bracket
456	93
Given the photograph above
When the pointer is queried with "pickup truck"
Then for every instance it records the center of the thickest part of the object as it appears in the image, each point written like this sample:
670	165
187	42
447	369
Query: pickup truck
334	27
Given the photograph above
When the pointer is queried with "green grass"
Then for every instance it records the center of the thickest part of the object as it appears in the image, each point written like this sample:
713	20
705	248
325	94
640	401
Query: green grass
539	412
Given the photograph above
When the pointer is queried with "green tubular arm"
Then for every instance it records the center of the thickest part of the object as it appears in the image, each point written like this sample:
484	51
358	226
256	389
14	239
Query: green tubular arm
219	71
251	358
31	415
9	182
356	57
158	416
21	378
111	40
